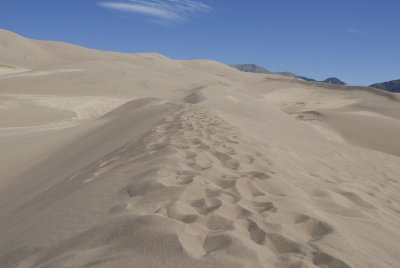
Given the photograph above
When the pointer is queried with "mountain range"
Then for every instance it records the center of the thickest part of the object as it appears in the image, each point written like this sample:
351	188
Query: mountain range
391	86
254	68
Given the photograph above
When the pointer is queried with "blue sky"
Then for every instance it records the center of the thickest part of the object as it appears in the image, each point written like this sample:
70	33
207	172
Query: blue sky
355	40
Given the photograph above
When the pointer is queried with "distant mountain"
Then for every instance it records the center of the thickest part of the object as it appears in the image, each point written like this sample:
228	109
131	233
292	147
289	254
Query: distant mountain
297	76
306	78
253	68
250	68
286	74
391	86
333	80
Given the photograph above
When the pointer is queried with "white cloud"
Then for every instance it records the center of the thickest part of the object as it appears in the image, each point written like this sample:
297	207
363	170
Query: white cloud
355	31
172	10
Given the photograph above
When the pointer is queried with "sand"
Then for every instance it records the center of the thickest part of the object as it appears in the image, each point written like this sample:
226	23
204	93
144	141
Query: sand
137	160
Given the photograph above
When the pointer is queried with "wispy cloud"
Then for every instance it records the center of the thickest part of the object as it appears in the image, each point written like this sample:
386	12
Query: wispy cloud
170	10
357	32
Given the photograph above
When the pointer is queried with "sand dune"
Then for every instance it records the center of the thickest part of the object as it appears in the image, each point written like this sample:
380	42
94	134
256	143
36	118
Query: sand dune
7	69
143	161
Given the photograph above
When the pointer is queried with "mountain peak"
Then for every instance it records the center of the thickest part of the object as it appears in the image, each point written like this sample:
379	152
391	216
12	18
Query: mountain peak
391	86
250	68
254	68
334	80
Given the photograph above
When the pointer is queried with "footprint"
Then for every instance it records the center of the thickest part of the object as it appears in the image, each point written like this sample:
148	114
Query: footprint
270	187
321	193
225	183
356	199
323	260
216	242
291	262
274	227
230	140
210	131
141	189
157	146
259	175
256	234
230	150
259	154
242	213
185	176
179	212
211	193
222	156
205	206
254	191
301	218
203	146
232	164
250	159
184	179
190	155
117	209
196	141
317	229
284	245
226	160
264	206
219	223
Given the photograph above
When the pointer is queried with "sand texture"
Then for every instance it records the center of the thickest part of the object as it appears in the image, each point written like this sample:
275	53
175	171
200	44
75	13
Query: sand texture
138	160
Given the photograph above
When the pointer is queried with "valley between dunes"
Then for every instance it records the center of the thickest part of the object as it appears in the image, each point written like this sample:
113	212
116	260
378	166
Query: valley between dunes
138	160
